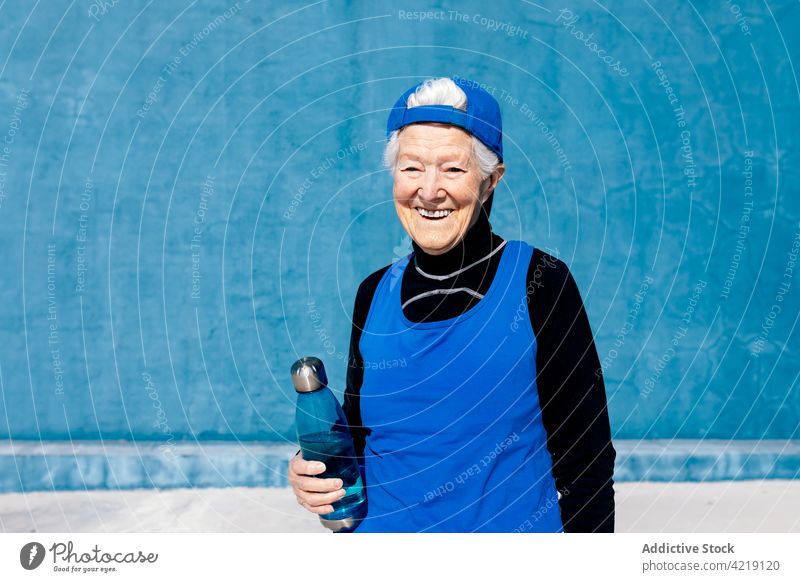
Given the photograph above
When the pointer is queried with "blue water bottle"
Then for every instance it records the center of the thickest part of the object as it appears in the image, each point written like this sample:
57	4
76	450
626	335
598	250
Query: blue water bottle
324	435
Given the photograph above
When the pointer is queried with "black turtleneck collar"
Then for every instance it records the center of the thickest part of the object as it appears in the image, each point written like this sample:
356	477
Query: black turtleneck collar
476	244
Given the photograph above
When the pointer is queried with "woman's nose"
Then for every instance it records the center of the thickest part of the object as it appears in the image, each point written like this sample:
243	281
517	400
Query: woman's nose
431	186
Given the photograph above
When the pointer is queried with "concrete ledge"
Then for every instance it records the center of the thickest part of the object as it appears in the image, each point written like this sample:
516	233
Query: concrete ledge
706	460
62	466
48	466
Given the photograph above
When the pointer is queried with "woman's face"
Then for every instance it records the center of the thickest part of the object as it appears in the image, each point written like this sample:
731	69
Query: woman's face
437	186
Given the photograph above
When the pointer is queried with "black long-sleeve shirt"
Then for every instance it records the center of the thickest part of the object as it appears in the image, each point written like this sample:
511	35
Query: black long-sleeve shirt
569	377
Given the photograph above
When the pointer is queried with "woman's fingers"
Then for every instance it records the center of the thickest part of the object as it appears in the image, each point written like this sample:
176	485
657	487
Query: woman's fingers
314	493
299	466
322	510
320	502
317	485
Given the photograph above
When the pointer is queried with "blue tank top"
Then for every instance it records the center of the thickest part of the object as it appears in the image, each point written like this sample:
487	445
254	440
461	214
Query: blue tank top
455	437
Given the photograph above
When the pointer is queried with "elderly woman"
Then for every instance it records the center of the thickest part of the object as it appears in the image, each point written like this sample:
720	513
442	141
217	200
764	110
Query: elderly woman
498	419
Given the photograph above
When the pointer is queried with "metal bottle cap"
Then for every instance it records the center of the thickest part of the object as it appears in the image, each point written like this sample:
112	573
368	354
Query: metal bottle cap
308	374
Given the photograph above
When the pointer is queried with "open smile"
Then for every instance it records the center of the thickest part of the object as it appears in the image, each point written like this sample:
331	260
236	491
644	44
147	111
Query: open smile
434	214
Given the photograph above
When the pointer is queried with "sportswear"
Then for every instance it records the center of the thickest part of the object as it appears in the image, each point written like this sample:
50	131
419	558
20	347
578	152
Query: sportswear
568	409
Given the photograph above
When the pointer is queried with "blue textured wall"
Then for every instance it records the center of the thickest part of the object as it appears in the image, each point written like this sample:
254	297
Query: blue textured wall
191	193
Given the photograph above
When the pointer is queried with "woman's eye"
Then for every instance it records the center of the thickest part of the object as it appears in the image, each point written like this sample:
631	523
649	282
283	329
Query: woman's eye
454	170
411	169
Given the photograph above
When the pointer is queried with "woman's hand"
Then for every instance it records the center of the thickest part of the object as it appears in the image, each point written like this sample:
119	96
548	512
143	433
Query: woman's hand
315	494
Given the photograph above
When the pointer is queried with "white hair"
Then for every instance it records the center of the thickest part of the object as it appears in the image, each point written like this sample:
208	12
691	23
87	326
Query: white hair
442	91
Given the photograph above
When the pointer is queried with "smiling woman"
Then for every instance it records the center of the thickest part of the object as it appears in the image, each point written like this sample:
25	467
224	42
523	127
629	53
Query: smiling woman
495	424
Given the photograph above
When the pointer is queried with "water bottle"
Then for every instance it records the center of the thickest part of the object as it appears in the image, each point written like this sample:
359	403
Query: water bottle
324	435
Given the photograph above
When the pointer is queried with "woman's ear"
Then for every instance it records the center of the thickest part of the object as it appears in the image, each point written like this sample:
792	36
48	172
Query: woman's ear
491	182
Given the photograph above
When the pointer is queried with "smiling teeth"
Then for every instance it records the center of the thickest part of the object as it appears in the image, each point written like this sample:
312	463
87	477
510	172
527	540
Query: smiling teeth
433	213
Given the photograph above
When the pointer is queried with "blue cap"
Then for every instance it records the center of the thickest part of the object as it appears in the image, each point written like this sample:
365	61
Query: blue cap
481	119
